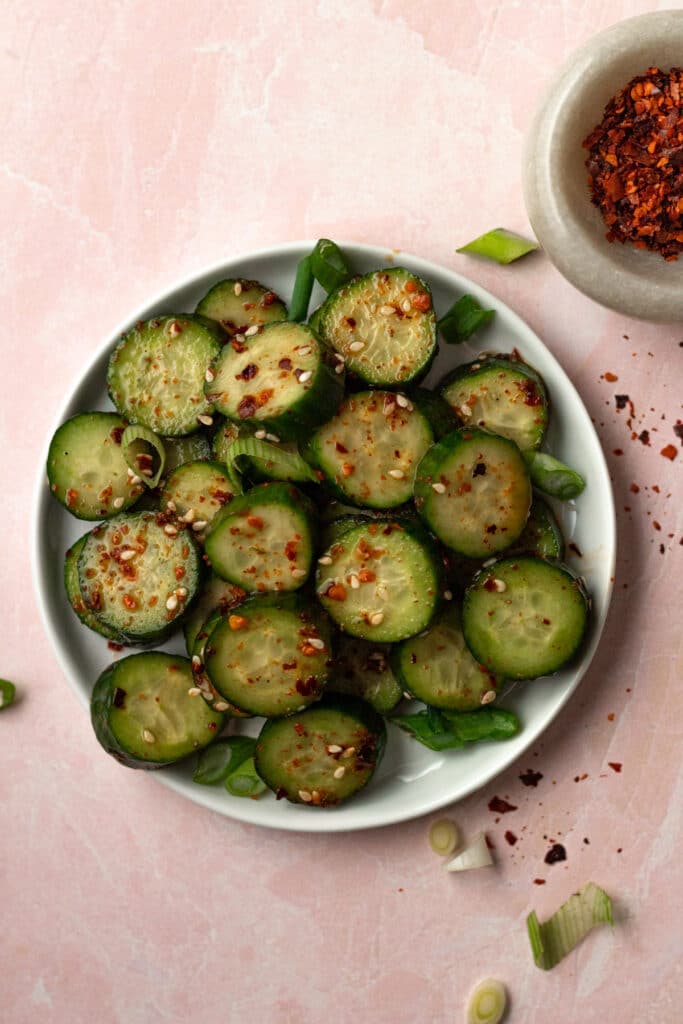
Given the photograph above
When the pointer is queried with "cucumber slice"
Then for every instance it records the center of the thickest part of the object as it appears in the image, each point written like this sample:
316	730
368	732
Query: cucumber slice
363	670
201	678
214	595
441	416
472	489
143	714
276	379
157	371
137	576
383	325
324	755
524	617
198	490
271	656
179	450
502	395
86	470
73	593
263	540
370	450
237	304
542	535
437	667
380	581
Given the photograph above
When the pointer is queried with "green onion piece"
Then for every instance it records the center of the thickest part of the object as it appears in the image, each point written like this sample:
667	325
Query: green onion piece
552	477
245	781
463	318
487	1002
500	245
560	934
285	464
144	453
216	762
475	855
444	730
303	286
329	265
7	693
444	837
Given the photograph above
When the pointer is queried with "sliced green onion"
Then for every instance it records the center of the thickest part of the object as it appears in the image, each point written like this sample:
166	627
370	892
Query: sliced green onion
444	837
285	464
487	1002
222	758
499	245
444	730
329	265
245	781
464	318
303	286
7	693
475	855
144	453
552	477
560	934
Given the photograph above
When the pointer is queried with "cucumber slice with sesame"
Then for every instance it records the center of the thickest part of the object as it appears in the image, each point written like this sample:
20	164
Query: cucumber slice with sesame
472	490
157	372
237	304
201	678
383	325
362	669
524	617
502	395
370	450
143	714
215	595
86	469
321	756
277	379
137	576
380	581
75	598
271	655
264	539
197	491
438	668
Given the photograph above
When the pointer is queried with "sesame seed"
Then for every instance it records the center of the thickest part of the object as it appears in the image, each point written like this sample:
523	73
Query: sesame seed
180	592
487	697
448	595
189	516
407	695
209	376
172	603
489	561
339	368
464	412
377	619
196	661
402	401
349	752
194	691
298	573
339	772
170	530
354	581
135	479
206	421
397	474
388	407
305	351
334	748
439	488
199	525
239	338
171	506
148	736
221	705
251	331
127	554
387	310
305	376
117	502
305	796
356	346
259	435
405	306
500	586
273	437
174	328
316	642
325	560
237	288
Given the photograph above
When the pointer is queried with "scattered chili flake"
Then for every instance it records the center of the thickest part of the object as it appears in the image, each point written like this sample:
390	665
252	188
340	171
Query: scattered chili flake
555	854
634	163
621	401
618	451
510	838
610	717
611	377
678	431
615	766
113	646
669	452
530	777
644	437
635	488
539	881
499	806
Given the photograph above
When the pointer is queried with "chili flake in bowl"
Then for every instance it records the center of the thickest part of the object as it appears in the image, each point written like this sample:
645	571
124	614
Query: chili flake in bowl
604	166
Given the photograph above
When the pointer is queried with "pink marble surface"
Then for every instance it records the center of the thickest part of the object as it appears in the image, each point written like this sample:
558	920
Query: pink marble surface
141	141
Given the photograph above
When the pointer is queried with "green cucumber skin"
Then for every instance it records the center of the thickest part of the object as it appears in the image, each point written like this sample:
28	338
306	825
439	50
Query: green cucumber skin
102	703
438	412
75	598
276	308
363	670
542	536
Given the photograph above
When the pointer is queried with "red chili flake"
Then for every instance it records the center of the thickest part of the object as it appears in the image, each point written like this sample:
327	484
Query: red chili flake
307	687
130	602
510	838
678	430
268	299
530	777
539	881
634	163
248	373
616	766
479	469
238	346
610	717
299	729
285	364
669	452
555	854
616	451
247	407
635	489
644	437
611	377
656	525
500	806
621	401
421	301
117	434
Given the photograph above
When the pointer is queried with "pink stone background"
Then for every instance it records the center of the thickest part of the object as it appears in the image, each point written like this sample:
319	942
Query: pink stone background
142	141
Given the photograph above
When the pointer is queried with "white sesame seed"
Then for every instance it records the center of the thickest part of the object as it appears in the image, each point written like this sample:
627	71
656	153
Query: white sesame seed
171	506
148	736
251	331
273	437
174	328
209	376
189	516
377	619
339	368
387	310
487	697
237	288
397	474
127	554
194	691
117	502
221	705
388	407
196	661
259	435
407	695
135	479
180	592
130	471
448	595
356	346
334	748
305	376
354	581
500	586
325	560
402	401
305	351
316	642
205	420
349	752
339	772
172	603
305	796
463	411
439	488
298	573
489	561
170	530
405	306
199	525
239	338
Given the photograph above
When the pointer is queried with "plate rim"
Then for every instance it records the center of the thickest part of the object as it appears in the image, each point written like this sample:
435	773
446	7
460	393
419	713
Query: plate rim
239	810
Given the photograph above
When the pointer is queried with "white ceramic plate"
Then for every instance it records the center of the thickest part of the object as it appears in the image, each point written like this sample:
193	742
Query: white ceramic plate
411	779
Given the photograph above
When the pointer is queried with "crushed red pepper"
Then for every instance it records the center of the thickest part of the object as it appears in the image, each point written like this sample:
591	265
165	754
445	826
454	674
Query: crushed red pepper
635	163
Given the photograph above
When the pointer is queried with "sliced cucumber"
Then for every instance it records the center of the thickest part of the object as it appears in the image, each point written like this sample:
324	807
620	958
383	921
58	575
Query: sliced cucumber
276	379
542	535
157	371
86	469
524	617
323	755
263	540
179	450
73	593
214	595
441	416
380	581
143	714
472	489
362	669
270	657
437	667
238	304
197	491
202	680
370	450
226	433
502	395
137	574
383	325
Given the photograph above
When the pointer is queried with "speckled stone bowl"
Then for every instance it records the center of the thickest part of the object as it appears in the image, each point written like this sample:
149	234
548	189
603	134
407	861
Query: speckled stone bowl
571	230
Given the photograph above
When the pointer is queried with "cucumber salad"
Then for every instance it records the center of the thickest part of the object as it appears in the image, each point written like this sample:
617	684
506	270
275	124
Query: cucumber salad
339	547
